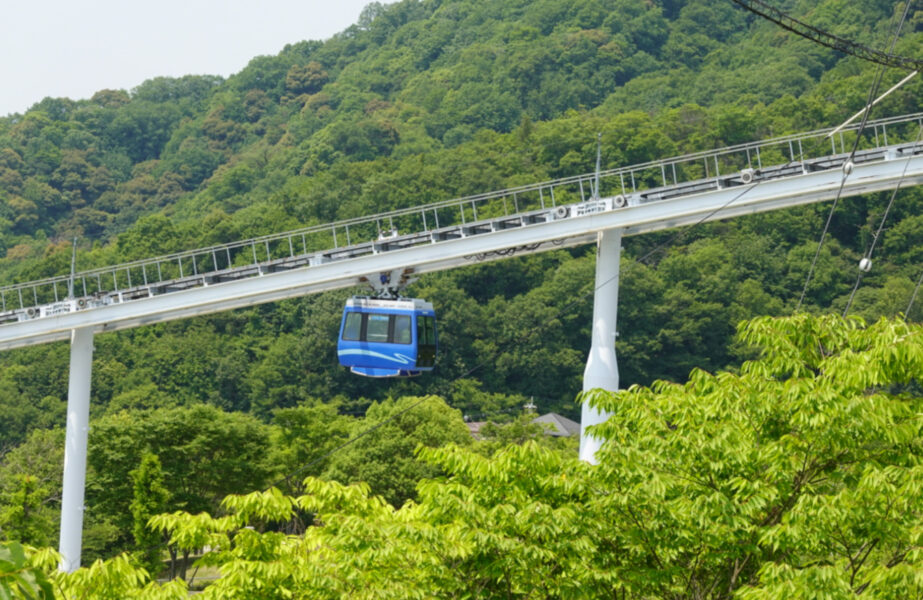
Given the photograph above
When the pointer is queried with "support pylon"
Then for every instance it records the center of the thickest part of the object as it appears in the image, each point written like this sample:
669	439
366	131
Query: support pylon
75	449
601	368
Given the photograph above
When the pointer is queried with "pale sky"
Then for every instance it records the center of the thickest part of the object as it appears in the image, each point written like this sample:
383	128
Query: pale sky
73	48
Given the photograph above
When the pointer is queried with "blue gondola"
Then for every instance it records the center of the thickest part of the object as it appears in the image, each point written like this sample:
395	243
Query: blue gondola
387	338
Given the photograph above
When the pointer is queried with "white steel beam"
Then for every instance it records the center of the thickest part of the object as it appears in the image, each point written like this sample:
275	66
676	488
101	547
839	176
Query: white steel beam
633	220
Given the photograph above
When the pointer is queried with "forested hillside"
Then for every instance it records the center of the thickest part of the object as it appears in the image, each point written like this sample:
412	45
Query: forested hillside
420	101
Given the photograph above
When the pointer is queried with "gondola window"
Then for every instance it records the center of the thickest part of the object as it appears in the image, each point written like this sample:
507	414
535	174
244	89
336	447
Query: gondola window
377	328
353	329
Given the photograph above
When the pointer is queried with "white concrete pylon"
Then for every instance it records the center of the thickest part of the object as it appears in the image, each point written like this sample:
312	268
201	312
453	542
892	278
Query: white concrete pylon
75	448
601	368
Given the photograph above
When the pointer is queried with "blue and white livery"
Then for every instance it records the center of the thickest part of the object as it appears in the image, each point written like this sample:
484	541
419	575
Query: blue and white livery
387	338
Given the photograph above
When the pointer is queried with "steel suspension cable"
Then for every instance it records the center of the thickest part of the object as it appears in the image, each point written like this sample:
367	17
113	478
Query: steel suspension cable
873	91
824	38
913	296
866	263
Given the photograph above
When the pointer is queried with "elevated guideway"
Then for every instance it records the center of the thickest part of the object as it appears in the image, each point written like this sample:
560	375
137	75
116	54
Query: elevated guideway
705	186
744	179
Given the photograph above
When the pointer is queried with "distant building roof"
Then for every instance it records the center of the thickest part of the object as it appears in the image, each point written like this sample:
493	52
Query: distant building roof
558	425
475	428
554	424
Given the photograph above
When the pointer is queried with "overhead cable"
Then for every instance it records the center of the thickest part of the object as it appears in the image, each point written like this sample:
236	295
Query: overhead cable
865	264
847	166
824	38
913	296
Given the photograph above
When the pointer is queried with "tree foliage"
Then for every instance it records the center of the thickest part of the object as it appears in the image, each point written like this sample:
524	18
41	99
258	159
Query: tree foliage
19	578
149	498
391	431
24	517
764	481
204	454
798	476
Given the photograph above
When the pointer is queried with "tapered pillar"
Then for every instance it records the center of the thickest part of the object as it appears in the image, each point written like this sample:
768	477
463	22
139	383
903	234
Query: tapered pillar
75	448
601	369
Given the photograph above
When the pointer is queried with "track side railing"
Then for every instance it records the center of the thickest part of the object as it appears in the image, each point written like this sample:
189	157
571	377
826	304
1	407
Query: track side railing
520	206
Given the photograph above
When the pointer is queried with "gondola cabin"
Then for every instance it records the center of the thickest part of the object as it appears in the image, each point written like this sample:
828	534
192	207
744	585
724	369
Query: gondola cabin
387	338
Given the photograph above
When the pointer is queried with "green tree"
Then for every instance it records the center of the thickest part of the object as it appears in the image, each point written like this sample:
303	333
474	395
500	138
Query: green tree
149	236
30	487
205	454
391	431
141	128
24	517
149	498
306	434
19	578
799	476
115	579
306	79
764	481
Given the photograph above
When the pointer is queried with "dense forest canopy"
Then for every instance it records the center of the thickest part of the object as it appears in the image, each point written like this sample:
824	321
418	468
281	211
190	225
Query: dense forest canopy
422	101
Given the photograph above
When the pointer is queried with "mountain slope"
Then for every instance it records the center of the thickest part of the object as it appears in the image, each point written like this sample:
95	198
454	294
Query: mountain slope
422	101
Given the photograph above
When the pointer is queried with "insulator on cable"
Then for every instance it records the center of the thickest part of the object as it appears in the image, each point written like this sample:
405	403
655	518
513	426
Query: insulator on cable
865	265
847	167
